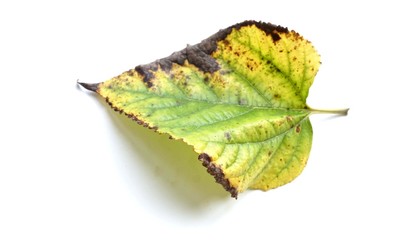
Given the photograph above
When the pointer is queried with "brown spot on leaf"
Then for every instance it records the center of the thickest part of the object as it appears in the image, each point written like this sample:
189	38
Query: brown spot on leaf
275	37
206	79
130	73
225	42
298	128
217	173
227	135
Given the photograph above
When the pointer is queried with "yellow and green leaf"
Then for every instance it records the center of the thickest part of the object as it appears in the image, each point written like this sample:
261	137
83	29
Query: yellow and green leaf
238	98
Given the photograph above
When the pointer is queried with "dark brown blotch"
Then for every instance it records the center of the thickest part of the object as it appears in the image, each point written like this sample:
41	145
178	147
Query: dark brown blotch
146	72
217	173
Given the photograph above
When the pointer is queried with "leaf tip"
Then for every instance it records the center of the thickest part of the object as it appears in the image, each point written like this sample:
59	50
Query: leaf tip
89	86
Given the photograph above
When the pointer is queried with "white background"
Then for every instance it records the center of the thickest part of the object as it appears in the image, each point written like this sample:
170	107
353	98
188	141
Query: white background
71	168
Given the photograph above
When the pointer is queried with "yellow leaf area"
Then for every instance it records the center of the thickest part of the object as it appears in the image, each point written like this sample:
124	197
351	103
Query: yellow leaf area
238	97
280	71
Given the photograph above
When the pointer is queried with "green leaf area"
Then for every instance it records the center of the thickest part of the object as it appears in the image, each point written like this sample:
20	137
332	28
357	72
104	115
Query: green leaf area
238	97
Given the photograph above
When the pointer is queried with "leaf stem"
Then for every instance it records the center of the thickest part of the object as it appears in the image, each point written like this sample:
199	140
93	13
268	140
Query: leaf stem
341	112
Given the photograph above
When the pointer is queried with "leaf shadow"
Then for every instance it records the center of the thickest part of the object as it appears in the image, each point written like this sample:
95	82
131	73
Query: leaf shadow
176	179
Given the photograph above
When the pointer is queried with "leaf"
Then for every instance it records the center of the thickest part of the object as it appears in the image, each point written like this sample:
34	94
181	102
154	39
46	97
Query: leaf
238	97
